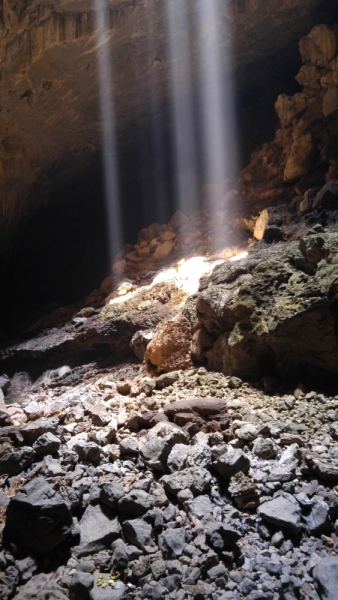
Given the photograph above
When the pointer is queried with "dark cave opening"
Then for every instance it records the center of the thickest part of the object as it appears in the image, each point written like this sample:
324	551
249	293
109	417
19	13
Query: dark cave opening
63	252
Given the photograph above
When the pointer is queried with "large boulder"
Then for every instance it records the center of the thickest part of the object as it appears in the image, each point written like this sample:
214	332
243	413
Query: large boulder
275	310
38	519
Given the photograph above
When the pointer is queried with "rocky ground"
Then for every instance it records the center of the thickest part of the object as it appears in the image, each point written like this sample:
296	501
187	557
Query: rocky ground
187	485
175	435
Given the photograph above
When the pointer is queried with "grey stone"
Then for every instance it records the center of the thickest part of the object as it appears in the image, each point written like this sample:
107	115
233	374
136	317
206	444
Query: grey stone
200	506
129	445
318	520
13	463
159	443
136	503
38	518
283	511
325	575
198	480
158	568
247	432
88	451
264	448
184	496
80	585
199	456
138	532
177	457
111	493
173	542
98	528
52	467
232	462
334	430
47	443
154	590
35	429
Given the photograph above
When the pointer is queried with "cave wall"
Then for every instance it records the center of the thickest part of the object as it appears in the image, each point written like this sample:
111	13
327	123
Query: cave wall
50	119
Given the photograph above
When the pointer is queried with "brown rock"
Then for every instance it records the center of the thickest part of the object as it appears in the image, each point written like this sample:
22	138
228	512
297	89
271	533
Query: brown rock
261	225
319	47
170	348
163	250
300	158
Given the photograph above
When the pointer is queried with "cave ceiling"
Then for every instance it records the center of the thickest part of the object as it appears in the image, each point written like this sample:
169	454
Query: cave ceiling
50	105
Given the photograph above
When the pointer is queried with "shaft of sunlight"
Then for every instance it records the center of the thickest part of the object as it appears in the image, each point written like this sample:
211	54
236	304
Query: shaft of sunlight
217	106
182	107
107	114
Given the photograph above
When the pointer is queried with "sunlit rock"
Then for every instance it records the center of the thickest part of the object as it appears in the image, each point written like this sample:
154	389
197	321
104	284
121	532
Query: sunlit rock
170	348
319	47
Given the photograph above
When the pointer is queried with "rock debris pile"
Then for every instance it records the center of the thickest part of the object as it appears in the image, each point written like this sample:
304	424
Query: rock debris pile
188	485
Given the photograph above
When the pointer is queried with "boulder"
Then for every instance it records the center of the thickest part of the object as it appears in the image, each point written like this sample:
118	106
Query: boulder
197	479
136	503
289	329
98	528
47	443
283	511
172	542
13	463
159	442
232	462
34	429
325	575
38	519
138	533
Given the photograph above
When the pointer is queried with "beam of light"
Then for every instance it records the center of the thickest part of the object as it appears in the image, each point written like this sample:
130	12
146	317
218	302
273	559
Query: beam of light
157	125
185	156
216	108
106	105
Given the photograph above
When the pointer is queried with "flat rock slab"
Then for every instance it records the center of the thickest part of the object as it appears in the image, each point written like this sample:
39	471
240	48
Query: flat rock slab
283	511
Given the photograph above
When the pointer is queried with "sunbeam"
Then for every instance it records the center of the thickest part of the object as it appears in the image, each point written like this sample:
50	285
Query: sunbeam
106	105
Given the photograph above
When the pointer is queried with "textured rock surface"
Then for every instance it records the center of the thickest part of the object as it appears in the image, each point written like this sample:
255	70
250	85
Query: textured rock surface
270	308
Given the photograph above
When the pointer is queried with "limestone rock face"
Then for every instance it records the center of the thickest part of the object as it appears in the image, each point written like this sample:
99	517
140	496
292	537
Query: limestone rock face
271	308
50	120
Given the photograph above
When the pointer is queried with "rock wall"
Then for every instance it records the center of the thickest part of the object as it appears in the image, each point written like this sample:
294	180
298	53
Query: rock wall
304	153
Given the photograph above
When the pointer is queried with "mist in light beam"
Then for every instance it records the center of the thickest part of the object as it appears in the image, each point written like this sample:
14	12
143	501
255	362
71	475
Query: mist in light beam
106	105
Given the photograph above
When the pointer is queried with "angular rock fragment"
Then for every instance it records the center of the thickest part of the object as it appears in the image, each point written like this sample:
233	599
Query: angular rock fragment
138	532
98	528
283	511
35	429
196	479
159	443
232	462
136	503
325	575
38	519
13	463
